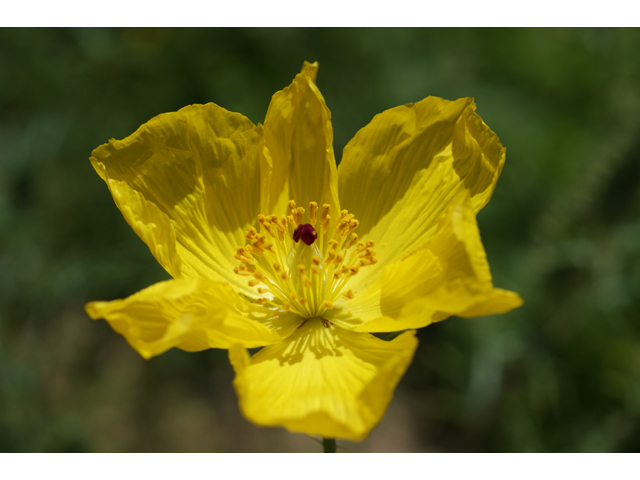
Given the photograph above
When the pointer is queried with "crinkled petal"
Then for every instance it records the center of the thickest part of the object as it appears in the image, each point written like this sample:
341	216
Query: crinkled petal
188	183
399	173
450	276
322	381
300	164
191	314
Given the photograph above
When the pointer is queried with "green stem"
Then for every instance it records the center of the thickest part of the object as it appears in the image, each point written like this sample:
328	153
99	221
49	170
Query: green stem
391	336
329	445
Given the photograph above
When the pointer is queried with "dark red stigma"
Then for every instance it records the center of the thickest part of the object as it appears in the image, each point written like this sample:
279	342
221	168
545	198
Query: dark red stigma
305	232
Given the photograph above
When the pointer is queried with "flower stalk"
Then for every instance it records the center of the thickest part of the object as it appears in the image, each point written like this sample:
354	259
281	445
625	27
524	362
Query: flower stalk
329	445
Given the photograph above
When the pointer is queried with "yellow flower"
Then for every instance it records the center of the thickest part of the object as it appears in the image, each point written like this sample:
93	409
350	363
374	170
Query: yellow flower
269	244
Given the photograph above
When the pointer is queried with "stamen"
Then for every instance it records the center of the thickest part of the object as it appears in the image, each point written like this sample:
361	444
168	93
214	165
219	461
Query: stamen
352	240
251	233
325	218
242	271
313	213
307	278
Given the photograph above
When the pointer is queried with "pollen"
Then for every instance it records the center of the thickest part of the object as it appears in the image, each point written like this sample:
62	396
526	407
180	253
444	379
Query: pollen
304	269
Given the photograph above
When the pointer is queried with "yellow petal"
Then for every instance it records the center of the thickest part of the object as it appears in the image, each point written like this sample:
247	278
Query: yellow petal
188	183
322	381
191	314
450	276
399	173
300	164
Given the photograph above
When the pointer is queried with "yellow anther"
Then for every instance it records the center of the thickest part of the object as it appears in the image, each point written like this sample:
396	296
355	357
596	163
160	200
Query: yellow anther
305	281
292	221
369	252
241	271
268	227
315	270
316	260
250	234
292	207
344	225
259	275
244	255
353	271
313	213
339	259
352	241
257	245
300	269
348	294
344	213
325	225
253	283
361	247
333	244
329	305
325	213
284	276
299	216
302	301
262	301
370	243
275	221
286	305
277	267
242	258
262	290
293	296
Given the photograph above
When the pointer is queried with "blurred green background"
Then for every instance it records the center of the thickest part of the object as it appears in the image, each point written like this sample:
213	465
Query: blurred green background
562	373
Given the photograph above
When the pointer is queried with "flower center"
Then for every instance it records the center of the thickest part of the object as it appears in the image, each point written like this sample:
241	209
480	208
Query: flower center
305	277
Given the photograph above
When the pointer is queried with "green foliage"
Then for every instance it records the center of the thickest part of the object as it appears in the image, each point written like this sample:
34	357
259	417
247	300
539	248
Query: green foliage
562	373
